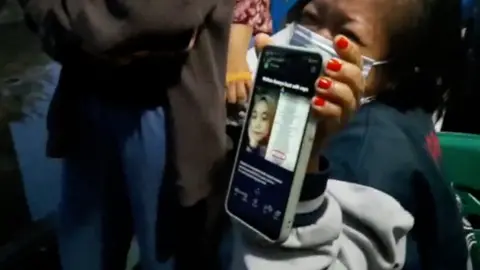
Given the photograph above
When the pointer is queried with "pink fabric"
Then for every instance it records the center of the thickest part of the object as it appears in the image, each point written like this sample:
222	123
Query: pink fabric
255	13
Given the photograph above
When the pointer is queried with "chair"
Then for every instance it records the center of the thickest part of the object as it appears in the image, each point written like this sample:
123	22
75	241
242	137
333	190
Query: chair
461	159
461	164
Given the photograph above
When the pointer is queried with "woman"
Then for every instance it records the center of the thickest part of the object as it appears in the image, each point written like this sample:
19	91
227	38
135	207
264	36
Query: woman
390	208
260	124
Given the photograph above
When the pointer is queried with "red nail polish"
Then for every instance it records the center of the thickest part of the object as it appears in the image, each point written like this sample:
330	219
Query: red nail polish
342	43
334	65
324	83
318	101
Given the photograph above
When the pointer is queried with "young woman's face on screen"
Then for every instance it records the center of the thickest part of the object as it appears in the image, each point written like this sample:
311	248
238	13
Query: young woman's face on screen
259	125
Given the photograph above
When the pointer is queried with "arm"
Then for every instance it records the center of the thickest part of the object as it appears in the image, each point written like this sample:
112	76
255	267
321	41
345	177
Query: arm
349	231
359	225
238	44
250	17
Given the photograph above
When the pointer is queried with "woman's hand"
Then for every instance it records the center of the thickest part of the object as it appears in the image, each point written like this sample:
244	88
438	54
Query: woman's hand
338	89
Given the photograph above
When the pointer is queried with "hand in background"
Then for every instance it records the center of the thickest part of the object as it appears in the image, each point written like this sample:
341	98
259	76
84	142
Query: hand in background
239	82
238	78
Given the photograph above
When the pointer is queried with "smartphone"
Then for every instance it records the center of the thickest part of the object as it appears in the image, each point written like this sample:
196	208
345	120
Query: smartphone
275	142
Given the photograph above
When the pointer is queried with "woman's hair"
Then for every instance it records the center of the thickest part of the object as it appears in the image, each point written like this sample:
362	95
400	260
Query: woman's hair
271	104
426	52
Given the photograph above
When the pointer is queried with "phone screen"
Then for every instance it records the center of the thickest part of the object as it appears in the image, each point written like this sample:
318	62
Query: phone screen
271	140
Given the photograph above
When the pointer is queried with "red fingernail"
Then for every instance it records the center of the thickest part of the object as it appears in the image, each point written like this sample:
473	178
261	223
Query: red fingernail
318	101
334	65
324	83
342	43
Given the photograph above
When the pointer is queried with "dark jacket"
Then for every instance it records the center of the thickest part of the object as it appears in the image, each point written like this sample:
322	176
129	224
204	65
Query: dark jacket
85	35
398	153
385	206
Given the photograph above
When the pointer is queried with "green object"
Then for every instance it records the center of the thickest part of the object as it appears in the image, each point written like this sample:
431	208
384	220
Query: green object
461	165
461	159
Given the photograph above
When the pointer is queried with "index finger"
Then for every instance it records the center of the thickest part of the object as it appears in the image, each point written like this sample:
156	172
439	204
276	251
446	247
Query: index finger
348	50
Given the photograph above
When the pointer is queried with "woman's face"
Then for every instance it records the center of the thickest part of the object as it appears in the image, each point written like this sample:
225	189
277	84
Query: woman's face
362	21
259	122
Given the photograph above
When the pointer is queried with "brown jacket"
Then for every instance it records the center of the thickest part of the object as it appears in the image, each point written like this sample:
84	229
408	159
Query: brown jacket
70	28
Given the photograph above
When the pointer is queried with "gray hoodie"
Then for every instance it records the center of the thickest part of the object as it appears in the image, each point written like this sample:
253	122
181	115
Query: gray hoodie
361	228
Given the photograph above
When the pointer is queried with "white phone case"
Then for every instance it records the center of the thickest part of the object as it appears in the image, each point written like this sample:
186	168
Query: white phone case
299	174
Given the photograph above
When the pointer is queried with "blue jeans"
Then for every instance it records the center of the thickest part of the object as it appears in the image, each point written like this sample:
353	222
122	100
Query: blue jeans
110	189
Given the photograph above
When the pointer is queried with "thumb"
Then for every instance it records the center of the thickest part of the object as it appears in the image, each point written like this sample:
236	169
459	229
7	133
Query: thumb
261	41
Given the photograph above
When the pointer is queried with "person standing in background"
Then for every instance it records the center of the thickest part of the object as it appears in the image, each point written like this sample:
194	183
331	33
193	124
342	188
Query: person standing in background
134	73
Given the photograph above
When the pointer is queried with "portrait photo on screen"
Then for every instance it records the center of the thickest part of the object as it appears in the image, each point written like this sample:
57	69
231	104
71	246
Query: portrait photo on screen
264	106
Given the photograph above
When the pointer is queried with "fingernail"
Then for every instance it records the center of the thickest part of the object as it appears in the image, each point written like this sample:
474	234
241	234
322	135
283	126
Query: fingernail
342	43
318	101
324	83
334	65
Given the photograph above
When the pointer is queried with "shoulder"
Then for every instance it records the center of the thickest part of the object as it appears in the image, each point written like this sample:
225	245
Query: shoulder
373	151
372	139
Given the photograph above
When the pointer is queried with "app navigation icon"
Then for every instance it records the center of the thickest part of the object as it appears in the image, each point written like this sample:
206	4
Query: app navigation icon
277	215
239	192
255	203
267	209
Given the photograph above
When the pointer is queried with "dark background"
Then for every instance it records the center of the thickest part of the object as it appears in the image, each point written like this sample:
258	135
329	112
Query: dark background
29	183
